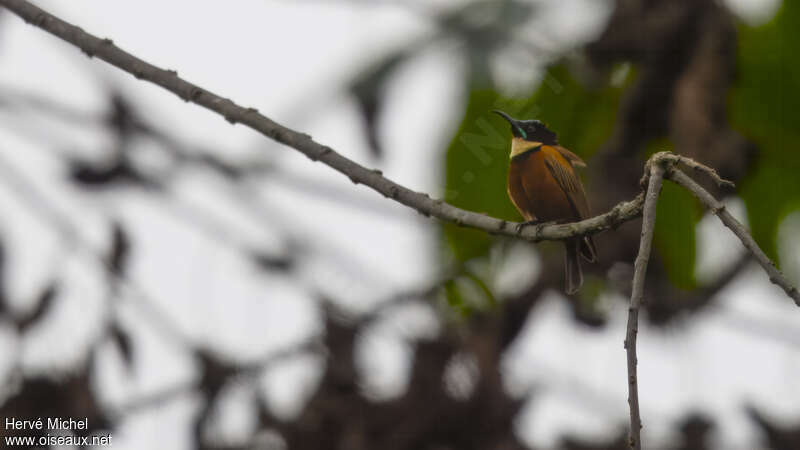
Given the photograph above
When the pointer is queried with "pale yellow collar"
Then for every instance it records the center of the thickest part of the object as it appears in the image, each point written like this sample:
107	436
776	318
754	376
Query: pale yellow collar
520	146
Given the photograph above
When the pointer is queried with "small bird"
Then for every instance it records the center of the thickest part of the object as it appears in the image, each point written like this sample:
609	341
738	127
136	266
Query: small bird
544	187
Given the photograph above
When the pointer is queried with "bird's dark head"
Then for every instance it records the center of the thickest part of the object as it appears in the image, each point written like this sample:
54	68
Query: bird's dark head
530	130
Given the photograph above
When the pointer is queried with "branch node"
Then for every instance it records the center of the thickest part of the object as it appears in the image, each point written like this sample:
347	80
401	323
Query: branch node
40	19
250	111
195	93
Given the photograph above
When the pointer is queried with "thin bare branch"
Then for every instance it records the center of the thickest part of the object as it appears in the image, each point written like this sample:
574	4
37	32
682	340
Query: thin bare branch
674	159
775	275
250	117
640	270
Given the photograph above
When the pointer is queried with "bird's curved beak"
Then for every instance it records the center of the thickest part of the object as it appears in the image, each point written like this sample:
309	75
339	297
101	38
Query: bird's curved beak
510	119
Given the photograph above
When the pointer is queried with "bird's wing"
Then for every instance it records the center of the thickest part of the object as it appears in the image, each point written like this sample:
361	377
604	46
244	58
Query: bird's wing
571	157
567	180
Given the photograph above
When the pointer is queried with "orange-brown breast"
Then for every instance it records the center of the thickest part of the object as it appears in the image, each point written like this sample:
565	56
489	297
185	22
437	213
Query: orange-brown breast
537	194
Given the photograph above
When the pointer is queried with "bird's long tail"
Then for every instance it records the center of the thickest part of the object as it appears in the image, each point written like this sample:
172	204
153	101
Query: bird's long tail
572	265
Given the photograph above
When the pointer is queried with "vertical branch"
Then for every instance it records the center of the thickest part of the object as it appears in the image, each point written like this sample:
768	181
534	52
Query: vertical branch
640	269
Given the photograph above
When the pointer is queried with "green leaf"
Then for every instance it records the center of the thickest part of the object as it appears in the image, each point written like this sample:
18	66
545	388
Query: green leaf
763	107
674	237
677	215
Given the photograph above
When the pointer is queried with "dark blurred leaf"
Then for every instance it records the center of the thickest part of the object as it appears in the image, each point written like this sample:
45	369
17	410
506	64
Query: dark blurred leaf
483	27
227	169
43	304
120	118
779	436
516	13
369	90
122	340
616	442
477	16
696	429
71	396
270	263
764	107
93	175
214	373
265	417
120	248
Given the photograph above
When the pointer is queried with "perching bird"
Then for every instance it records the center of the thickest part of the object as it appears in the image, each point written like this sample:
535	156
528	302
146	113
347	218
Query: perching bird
544	187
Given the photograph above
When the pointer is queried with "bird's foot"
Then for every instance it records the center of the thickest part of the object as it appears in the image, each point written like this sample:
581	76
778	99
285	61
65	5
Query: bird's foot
539	224
521	226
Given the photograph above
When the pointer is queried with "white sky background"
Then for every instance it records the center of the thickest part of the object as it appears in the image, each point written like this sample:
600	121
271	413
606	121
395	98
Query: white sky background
290	60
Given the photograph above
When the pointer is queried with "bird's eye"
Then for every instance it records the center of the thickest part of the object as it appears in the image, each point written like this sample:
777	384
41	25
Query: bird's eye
522	132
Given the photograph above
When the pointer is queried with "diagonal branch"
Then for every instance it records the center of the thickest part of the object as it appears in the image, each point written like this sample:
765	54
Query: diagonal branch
775	275
250	117
656	172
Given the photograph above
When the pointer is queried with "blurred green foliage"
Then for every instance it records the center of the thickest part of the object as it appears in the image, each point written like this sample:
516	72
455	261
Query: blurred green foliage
674	237
677	214
477	158
476	168
764	106
476	163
